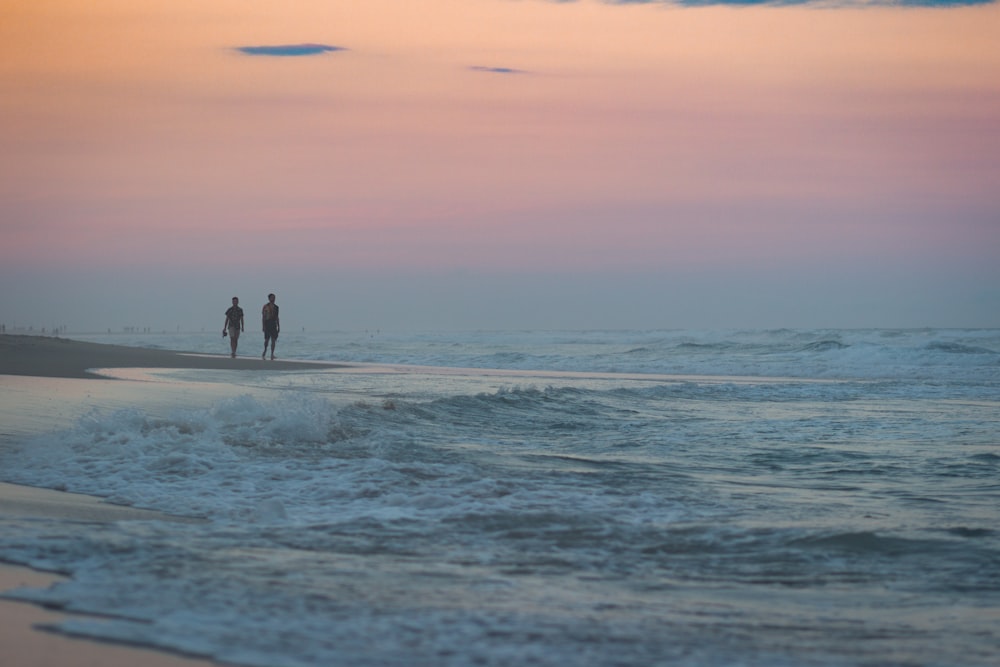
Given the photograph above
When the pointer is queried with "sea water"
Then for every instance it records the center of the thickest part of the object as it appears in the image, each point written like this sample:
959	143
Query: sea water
537	498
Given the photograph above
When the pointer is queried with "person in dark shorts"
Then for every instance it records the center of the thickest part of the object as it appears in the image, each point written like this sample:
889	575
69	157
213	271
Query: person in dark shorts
271	324
233	325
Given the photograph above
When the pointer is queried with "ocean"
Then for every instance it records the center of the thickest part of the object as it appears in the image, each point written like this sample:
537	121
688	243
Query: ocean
626	498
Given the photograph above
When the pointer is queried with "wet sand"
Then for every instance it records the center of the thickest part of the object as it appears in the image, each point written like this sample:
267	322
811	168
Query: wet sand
26	638
43	356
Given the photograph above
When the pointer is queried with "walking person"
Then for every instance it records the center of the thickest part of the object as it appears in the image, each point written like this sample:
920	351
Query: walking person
233	325
271	325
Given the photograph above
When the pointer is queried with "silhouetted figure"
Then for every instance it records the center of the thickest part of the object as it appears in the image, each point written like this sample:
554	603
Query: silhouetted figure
271	324
233	325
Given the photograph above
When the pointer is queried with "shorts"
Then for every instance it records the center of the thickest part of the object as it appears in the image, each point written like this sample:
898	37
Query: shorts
271	330
234	332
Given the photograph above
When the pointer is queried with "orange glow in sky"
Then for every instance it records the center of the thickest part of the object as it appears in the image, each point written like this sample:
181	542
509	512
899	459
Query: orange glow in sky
503	137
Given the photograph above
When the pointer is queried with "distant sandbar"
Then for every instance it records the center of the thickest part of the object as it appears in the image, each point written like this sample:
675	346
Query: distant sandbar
44	356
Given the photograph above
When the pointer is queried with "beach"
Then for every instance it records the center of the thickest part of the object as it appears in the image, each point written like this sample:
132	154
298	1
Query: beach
42	356
24	641
770	498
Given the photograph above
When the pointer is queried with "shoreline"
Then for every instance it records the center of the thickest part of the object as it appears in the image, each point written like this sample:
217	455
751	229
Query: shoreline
28	634
45	356
28	637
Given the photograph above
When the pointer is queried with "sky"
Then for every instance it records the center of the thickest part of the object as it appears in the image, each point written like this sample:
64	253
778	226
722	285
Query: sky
500	164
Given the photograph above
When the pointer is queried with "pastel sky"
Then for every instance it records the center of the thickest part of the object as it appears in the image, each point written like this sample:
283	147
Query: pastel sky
500	163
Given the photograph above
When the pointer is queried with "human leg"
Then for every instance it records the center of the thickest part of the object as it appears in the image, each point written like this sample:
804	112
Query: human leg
270	335
234	339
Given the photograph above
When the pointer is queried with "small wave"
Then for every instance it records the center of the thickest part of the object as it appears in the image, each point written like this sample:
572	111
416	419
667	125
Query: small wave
552	409
580	462
866	542
704	347
824	346
957	348
963	531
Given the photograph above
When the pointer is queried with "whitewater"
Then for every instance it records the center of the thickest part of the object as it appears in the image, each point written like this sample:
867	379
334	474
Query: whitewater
627	498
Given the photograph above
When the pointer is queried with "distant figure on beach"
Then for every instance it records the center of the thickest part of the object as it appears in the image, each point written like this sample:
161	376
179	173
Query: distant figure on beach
233	325
271	324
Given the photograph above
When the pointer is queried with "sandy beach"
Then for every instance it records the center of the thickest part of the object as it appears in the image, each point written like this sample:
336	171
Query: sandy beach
494	498
24	642
43	356
24	639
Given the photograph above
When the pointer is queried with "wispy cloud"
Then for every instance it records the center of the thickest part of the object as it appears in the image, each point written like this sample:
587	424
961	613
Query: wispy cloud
289	50
497	70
